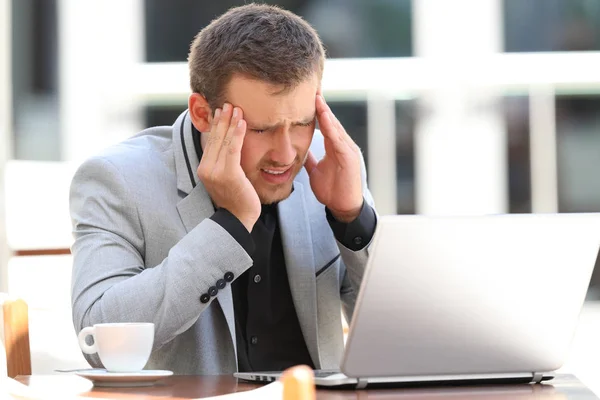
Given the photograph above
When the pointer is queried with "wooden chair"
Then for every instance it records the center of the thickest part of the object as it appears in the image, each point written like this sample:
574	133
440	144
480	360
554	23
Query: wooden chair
14	331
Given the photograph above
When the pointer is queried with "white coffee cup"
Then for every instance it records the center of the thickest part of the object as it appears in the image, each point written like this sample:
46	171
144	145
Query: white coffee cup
122	347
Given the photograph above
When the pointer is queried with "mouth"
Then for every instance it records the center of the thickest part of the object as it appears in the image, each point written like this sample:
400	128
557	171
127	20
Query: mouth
276	176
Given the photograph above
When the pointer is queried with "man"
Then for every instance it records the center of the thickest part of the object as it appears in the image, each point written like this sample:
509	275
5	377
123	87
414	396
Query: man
239	231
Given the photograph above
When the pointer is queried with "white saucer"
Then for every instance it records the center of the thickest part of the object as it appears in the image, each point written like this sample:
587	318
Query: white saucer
101	377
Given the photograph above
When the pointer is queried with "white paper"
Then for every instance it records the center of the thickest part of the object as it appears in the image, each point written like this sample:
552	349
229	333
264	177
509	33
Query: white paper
271	391
11	389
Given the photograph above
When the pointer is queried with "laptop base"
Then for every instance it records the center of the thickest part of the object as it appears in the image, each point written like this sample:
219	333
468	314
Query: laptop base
337	380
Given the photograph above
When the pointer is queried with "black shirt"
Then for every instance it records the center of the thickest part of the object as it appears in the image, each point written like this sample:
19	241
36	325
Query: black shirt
268	333
269	337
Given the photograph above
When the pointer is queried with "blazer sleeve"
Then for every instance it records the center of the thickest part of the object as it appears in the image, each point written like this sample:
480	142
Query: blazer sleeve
110	281
355	261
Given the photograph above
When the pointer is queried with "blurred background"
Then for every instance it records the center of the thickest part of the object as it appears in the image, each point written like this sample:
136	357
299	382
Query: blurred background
461	107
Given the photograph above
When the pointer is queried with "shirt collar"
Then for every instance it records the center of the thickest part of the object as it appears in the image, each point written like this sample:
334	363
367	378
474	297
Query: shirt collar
196	138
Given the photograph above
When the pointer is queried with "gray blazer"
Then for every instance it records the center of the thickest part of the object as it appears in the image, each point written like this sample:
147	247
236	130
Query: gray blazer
145	250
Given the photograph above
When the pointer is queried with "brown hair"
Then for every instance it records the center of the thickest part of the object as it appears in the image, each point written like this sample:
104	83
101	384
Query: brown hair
258	41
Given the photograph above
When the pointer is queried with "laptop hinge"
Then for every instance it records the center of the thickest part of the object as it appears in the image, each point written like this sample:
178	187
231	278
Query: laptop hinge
362	383
537	377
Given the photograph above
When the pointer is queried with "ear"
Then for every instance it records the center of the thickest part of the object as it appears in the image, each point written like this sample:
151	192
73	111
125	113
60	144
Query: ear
200	112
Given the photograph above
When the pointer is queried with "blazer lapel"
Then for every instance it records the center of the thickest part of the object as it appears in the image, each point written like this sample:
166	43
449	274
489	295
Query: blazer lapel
186	159
300	265
196	205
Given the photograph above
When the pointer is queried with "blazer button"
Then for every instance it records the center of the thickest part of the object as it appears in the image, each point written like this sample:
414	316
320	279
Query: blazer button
204	298
212	291
229	276
358	240
221	284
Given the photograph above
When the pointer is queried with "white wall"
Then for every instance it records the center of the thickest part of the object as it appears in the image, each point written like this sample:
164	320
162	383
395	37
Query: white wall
53	340
44	282
460	139
44	205
97	107
5	130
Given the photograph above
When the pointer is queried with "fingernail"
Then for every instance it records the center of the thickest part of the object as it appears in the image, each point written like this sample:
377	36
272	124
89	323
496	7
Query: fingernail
240	123
217	113
226	107
235	112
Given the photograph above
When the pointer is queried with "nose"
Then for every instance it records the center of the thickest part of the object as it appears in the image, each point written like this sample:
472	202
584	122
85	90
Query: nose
282	151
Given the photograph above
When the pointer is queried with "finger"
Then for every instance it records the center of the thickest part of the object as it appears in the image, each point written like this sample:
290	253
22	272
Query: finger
213	125
310	163
217	134
329	130
224	122
211	148
215	119
235	117
336	145
325	109
234	150
322	105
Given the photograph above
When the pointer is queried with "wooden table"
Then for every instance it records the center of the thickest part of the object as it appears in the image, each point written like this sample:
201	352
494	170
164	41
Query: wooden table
565	387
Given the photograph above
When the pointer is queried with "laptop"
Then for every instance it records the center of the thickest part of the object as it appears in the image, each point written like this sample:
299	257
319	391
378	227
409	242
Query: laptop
455	300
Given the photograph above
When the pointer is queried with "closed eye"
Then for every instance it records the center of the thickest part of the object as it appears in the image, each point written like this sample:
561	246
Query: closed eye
301	124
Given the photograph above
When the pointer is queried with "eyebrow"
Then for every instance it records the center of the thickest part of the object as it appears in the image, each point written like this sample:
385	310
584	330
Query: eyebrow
263	127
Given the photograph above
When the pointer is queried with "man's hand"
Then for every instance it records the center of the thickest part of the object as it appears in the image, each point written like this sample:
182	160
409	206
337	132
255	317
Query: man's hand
220	170
335	179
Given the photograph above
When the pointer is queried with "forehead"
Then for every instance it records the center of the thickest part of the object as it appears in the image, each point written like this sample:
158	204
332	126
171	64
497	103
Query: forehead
267	103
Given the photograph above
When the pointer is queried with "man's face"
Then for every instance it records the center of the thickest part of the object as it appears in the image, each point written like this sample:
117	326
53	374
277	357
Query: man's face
280	128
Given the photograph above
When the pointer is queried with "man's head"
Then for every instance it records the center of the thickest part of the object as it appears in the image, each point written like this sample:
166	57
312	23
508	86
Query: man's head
268	62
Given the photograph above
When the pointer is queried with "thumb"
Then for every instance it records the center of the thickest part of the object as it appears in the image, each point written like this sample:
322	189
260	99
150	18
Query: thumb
298	383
